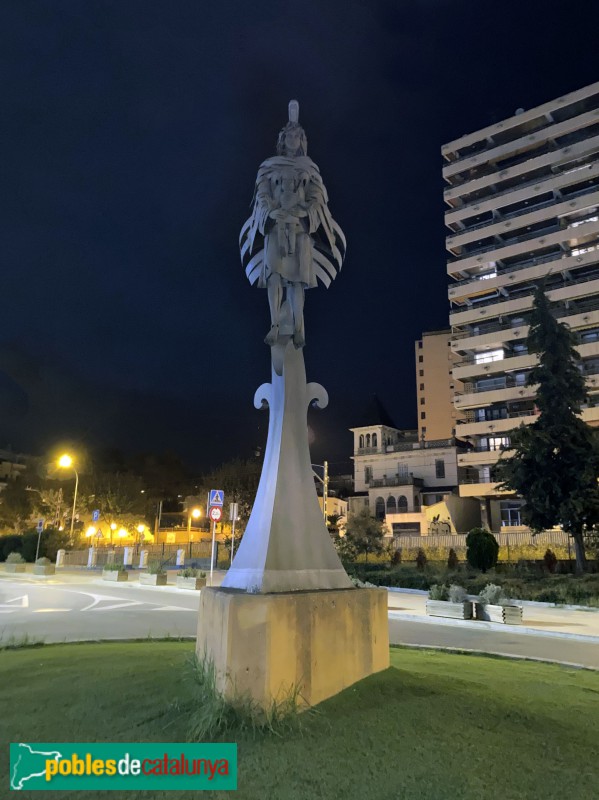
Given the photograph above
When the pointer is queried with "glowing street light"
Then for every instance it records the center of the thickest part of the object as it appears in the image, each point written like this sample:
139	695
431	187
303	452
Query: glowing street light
66	462
113	527
91	531
196	513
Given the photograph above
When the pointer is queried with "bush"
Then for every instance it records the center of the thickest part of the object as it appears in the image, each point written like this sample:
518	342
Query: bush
457	594
421	559
493	595
114	568
43	561
156	568
452	559
13	543
15	558
396	557
188	572
482	549
438	591
550	560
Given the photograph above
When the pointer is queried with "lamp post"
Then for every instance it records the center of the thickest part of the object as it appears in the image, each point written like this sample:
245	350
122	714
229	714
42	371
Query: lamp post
65	461
196	513
325	485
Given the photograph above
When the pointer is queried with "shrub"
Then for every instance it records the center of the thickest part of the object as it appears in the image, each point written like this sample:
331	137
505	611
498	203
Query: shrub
396	557
457	594
43	561
452	559
188	572
493	595
156	568
421	559
202	575
15	558
550	560
438	591
10	544
114	567
482	549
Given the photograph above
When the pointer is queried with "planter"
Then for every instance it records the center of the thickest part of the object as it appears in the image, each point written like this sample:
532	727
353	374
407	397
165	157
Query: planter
44	569
190	583
506	615
14	567
115	575
146	579
443	608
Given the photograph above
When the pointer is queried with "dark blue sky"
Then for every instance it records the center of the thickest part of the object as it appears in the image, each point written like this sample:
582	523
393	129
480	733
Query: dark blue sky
131	134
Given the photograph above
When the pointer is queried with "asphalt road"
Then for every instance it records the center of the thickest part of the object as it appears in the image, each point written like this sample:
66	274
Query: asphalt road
84	607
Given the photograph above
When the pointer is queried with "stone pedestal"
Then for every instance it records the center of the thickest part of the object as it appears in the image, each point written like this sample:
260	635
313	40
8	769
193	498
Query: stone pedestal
266	646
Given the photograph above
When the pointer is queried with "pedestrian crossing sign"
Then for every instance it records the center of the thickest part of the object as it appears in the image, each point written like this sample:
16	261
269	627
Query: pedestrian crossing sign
217	497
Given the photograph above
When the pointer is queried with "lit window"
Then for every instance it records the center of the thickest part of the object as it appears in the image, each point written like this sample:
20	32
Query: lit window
490	355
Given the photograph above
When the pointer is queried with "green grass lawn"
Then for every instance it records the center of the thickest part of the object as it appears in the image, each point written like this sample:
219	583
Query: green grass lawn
434	726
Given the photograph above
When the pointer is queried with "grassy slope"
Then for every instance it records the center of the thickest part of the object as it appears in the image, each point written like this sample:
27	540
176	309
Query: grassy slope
434	726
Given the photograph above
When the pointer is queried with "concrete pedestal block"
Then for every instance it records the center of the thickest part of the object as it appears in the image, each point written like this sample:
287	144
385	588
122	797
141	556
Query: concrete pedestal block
267	645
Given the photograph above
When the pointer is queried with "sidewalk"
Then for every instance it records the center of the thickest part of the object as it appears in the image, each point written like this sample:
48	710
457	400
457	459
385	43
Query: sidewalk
542	619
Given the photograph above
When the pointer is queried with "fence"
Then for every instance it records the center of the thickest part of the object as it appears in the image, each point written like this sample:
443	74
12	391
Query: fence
196	554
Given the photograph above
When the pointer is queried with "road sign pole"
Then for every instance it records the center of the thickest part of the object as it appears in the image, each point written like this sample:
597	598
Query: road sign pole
212	553
40	528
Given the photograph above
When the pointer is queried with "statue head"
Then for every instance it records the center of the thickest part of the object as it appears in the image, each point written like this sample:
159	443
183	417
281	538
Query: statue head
292	139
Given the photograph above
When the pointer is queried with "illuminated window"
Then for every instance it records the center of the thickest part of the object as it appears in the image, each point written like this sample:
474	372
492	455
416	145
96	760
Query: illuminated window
488	356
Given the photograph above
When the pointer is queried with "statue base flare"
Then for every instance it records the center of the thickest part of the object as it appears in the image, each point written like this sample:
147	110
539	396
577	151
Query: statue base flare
286	546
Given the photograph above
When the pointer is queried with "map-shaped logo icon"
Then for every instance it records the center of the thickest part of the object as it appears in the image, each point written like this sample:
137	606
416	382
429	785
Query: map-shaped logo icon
28	765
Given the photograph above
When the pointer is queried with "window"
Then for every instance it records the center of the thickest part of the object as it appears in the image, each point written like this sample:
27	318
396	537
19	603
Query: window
402	504
421	373
367	440
367	474
391	505
374	440
510	512
402	470
421	387
439	468
379	511
420	345
420	359
423	430
488	356
361	443
422	401
423	415
497	442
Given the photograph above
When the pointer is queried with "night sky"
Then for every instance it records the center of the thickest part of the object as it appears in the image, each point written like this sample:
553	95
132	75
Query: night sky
131	134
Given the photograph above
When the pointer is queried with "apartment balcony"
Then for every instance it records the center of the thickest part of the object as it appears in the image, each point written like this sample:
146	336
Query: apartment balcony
549	210
497	426
481	458
526	191
525	272
468	369
482	489
520	145
494	334
514	125
477	399
498	307
564	237
395	480
548	162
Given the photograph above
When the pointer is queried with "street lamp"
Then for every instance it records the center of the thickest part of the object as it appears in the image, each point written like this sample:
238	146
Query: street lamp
113	527
65	461
196	513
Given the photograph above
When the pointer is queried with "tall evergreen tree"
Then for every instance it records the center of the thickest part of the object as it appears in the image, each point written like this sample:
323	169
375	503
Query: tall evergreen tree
556	461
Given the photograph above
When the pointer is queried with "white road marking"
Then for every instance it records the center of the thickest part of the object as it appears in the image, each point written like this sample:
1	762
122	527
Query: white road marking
24	602
48	610
175	608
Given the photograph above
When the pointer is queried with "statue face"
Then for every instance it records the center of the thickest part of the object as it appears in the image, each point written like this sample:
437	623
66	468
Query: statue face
292	141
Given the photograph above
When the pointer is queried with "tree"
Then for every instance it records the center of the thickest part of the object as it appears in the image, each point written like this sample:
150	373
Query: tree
363	534
482	549
239	481
333	521
556	460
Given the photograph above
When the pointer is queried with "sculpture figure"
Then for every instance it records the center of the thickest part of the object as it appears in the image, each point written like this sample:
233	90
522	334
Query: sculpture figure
290	241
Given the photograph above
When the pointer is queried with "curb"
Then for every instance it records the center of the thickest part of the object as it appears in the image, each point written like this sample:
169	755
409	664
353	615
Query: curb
512	656
531	603
490	626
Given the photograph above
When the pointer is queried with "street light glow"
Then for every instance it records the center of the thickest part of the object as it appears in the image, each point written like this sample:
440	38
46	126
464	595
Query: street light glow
141	528
113	526
123	533
65	461
196	513
90	531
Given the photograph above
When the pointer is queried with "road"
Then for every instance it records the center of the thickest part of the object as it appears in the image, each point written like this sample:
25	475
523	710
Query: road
83	607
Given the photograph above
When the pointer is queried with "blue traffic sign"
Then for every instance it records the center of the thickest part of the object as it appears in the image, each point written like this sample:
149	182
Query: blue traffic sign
217	497
40	525
96	515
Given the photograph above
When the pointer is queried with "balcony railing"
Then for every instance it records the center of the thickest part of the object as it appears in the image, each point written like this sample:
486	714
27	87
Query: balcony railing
395	480
531	262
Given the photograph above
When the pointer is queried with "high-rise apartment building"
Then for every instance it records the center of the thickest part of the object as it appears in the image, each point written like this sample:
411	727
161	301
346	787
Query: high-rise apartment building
523	205
435	386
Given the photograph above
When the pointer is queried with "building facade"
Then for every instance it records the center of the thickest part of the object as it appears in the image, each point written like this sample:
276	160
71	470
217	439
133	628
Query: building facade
436	386
522	205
